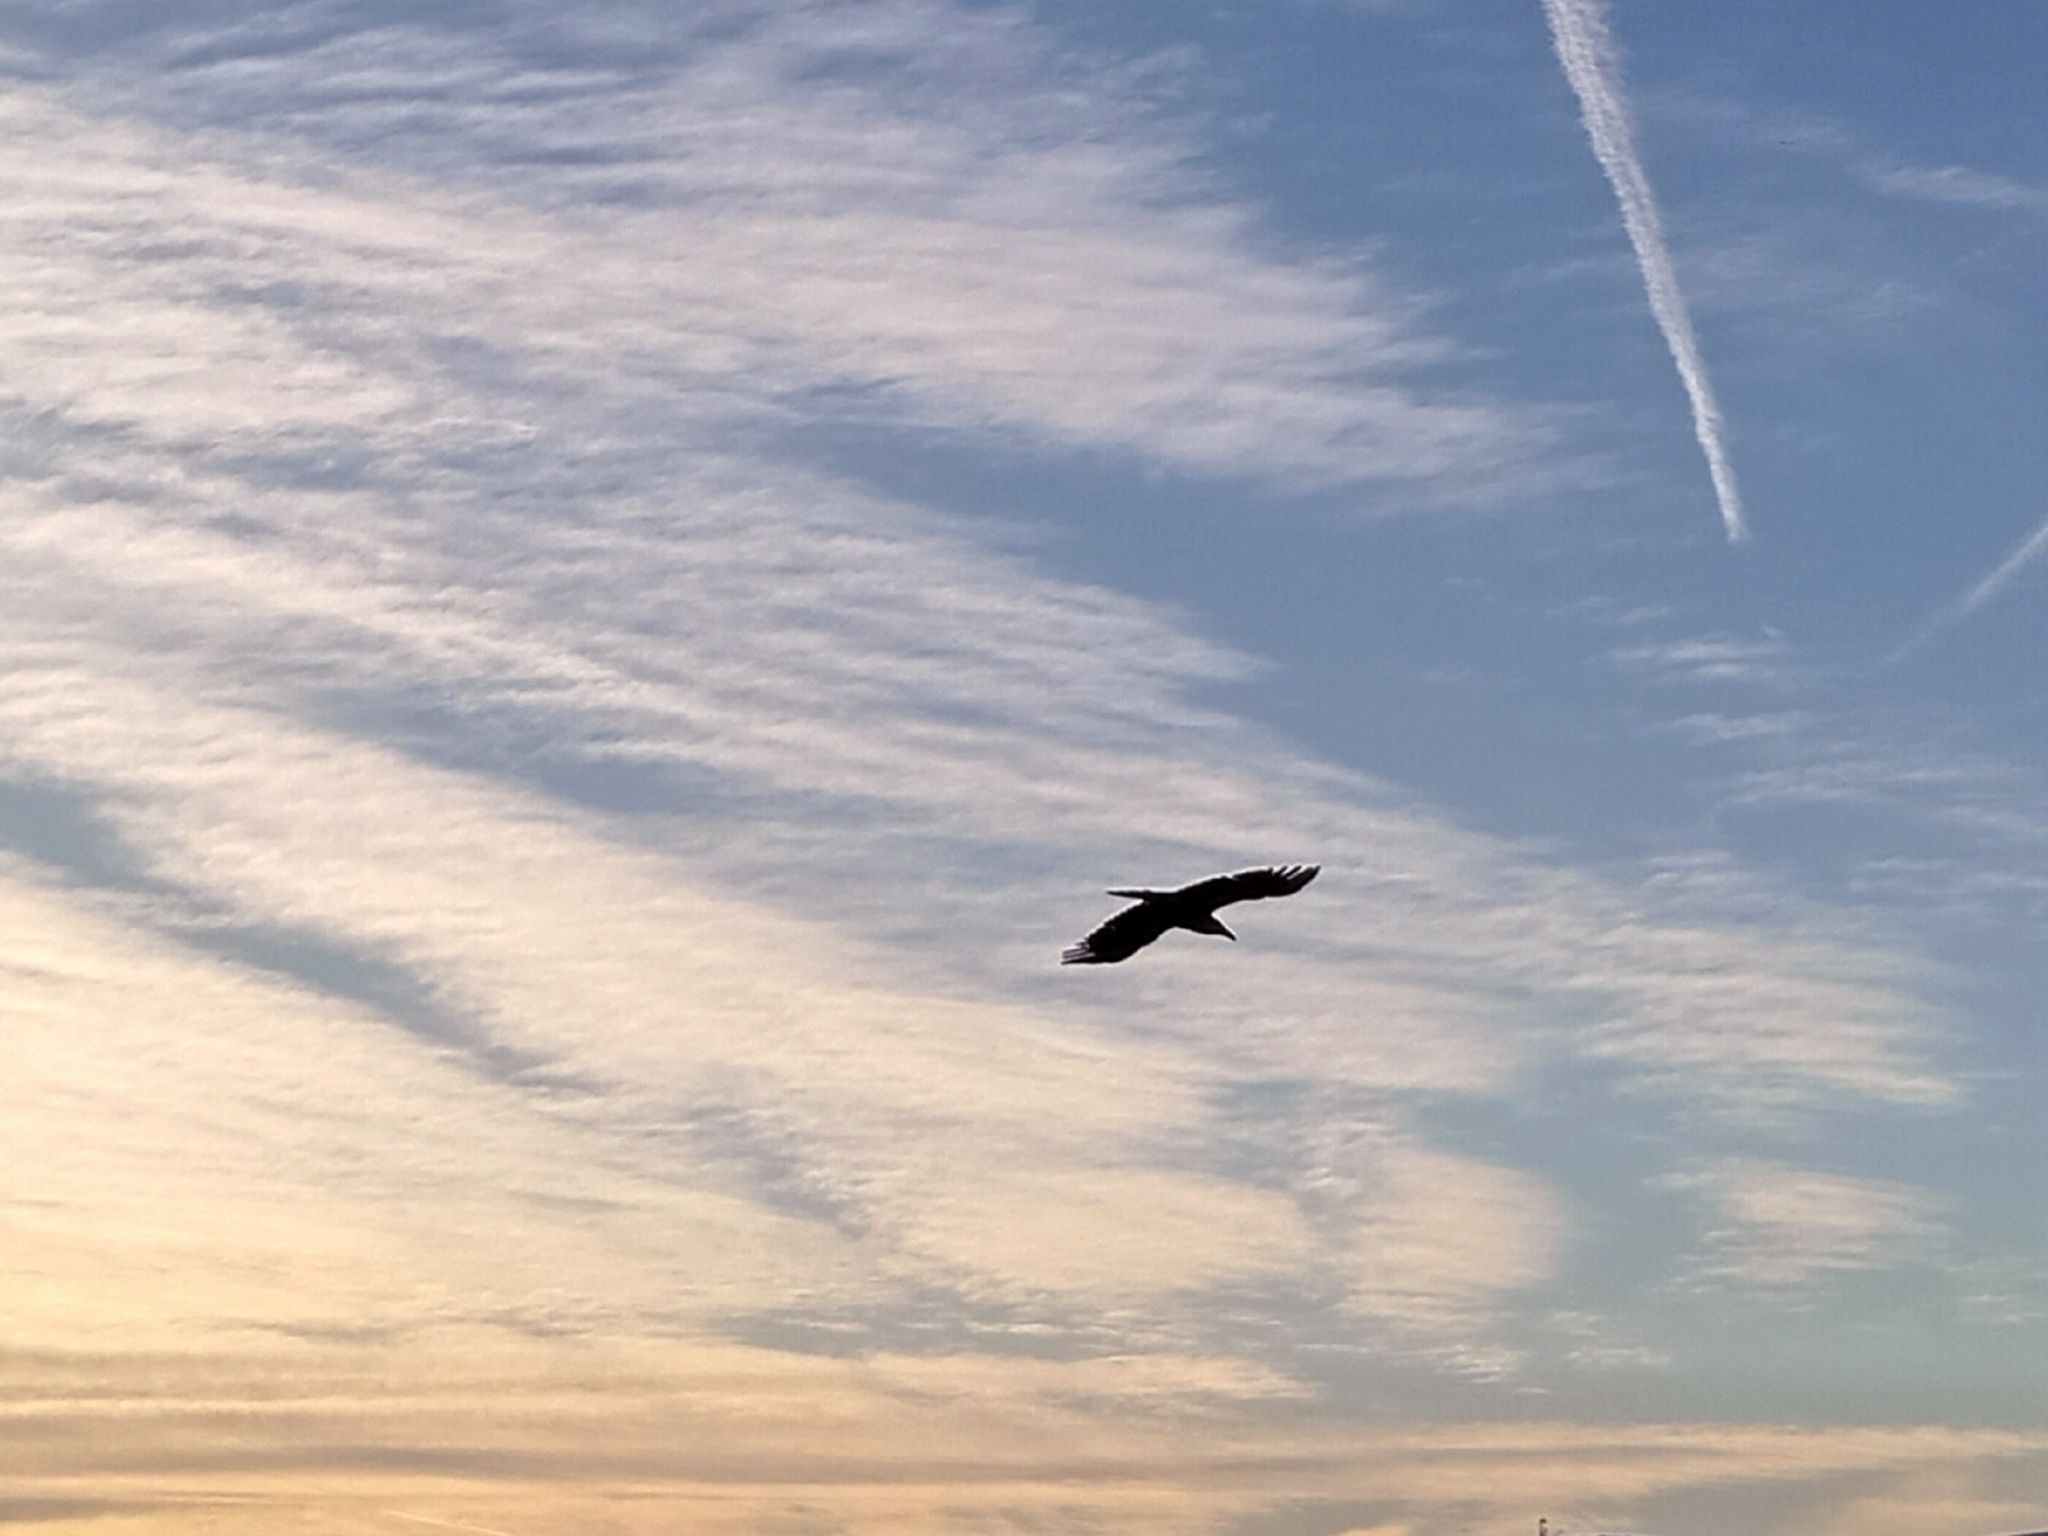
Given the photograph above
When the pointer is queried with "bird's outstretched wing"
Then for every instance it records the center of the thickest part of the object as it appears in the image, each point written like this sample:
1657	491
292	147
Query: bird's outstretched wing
1247	885
1121	937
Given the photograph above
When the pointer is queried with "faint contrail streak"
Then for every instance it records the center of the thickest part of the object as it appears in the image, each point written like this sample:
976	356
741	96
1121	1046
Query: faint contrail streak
1578	30
2031	548
449	1525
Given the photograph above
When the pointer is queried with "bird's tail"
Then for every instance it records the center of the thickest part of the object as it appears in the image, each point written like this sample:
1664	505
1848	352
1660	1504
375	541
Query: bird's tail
1139	895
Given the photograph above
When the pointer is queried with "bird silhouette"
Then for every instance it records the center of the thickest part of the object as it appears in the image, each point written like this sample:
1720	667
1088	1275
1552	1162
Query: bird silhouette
1192	907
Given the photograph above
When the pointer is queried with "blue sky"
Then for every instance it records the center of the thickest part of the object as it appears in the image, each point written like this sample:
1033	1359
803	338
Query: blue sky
592	594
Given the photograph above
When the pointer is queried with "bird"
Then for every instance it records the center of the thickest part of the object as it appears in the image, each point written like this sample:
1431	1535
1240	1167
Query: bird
1192	907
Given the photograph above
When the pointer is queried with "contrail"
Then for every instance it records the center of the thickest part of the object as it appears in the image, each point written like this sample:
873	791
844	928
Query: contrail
1578	30
2031	548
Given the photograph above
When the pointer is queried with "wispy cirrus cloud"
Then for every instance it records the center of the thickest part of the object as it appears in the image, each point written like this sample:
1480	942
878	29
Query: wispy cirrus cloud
1444	1242
1949	831
744	649
607	860
1778	1227
1958	185
964	237
446	1525
1876	166
918	1444
1585	47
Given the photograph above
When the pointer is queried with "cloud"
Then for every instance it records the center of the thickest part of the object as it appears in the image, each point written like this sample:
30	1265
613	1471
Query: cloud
1956	1498
1954	830
563	879
1578	29
1101	1231
1434	1246
1957	185
393	1189
1779	1227
1815	287
1816	135
451	1525
729	1439
964	237
1756	660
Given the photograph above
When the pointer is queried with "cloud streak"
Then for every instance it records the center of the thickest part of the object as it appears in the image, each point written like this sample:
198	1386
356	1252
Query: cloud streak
607	860
1585	47
1779	1227
1956	185
650	1441
971	239
448	1525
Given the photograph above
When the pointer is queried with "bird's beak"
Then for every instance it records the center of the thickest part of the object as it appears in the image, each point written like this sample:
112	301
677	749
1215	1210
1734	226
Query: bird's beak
1228	934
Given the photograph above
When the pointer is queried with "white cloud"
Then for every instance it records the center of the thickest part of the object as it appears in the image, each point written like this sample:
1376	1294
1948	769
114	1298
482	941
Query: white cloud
1776	1226
376	500
969	246
729	1439
1756	659
1102	1231
1813	134
1955	830
1444	1242
1956	184
1807	289
218	1151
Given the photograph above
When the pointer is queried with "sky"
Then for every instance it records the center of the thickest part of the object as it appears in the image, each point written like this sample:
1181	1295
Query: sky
589	595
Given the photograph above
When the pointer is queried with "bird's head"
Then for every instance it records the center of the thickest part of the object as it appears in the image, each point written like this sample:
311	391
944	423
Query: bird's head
1211	923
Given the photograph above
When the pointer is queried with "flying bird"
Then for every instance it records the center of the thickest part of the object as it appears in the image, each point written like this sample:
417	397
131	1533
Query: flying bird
1192	907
